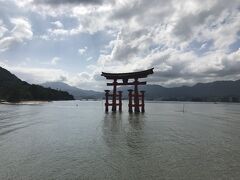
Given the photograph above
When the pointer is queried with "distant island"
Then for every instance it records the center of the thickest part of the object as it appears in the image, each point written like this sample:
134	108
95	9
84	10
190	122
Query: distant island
13	89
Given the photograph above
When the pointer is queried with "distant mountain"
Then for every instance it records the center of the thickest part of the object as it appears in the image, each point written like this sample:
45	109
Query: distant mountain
214	91
76	92
13	89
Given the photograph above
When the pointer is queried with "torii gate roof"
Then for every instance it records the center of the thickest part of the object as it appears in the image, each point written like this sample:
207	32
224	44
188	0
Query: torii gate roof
130	75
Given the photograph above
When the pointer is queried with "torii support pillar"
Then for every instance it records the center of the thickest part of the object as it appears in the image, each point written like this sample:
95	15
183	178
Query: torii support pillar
120	100
136	96
143	103
130	105
106	102
114	96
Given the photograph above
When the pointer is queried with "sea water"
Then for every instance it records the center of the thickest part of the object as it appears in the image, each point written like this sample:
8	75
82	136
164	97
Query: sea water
78	140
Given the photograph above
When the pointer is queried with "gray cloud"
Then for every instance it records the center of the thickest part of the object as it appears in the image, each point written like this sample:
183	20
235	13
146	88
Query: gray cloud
156	33
220	67
62	2
186	26
139	9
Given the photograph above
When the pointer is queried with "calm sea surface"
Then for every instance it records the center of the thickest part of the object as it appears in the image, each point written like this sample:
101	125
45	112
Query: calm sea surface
77	140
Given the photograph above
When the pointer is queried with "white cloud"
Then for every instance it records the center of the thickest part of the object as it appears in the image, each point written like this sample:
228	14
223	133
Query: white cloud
186	41
166	45
22	29
20	33
85	80
82	50
55	60
3	29
6	42
35	75
58	24
89	58
58	32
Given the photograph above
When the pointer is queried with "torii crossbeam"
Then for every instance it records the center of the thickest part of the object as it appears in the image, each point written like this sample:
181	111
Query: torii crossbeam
125	77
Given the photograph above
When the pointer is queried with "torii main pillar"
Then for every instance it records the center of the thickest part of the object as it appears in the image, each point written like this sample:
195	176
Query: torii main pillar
125	77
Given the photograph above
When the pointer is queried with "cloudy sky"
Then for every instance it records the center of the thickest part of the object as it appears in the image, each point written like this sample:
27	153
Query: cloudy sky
186	41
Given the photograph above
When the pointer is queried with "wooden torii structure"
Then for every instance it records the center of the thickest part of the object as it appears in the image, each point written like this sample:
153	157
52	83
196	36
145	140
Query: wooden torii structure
132	96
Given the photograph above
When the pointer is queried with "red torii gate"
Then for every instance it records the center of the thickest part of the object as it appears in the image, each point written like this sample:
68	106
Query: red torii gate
125	77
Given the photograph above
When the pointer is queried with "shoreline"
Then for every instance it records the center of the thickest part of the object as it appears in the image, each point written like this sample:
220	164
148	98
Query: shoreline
24	102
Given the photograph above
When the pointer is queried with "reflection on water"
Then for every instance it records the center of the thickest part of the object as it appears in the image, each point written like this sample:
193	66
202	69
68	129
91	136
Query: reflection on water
60	140
118	133
112	127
